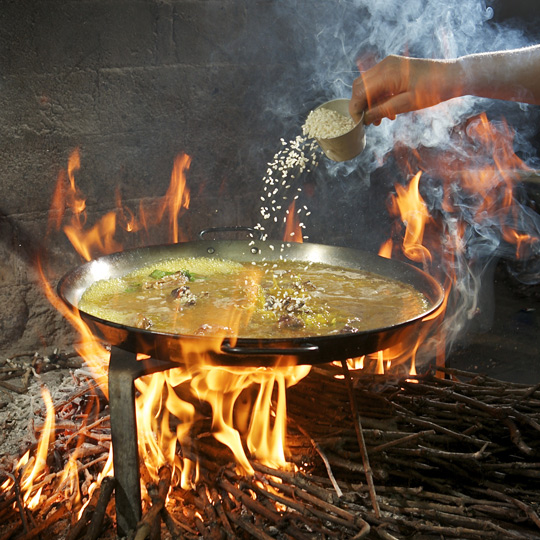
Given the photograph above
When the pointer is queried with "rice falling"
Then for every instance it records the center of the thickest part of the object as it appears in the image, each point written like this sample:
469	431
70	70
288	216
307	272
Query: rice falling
295	157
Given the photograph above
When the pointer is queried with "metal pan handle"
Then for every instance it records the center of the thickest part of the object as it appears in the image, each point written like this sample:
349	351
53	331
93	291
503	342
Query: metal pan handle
307	348
254	232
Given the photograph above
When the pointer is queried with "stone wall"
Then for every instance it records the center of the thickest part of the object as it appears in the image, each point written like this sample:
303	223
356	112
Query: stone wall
131	84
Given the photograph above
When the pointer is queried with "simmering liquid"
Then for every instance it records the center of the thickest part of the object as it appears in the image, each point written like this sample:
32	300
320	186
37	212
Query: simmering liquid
203	296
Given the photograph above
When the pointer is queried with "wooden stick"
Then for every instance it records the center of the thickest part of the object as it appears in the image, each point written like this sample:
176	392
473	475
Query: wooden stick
106	489
19	501
324	458
44	525
144	526
171	524
248	527
400	441
221	513
361	441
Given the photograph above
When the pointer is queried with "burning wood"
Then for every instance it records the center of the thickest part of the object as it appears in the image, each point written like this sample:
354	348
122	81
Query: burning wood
449	457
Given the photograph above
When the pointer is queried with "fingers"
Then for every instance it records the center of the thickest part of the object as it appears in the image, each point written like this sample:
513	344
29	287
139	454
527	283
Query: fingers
376	85
358	102
390	108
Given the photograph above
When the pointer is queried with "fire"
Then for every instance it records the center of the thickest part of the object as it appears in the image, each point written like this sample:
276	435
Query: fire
89	348
30	469
177	196
293	231
414	215
96	239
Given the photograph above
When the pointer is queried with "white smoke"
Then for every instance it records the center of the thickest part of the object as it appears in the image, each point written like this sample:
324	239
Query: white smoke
332	37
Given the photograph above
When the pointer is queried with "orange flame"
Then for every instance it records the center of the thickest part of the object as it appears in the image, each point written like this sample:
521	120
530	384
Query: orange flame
32	469
99	238
293	231
177	196
409	204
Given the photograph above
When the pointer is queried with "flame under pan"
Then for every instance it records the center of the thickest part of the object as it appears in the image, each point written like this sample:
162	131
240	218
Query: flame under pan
252	352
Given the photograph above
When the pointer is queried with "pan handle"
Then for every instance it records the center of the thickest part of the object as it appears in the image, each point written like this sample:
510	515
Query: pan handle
254	232
307	348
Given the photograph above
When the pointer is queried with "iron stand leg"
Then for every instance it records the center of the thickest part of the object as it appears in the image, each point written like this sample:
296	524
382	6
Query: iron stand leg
124	368
124	440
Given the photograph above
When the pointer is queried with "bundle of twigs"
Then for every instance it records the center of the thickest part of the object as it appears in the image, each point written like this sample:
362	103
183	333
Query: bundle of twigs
456	456
449	457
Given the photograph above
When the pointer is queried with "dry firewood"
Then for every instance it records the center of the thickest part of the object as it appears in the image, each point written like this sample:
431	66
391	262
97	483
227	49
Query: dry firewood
200	525
481	379
441	516
211	521
90	464
423	451
519	504
248	527
147	522
499	413
94	511
89	387
171	524
58	514
303	510
10	373
297	479
529	392
384	534
85	431
526	419
88	450
353	466
325	460
361	441
175	522
437	427
20	504
420	481
464	532
249	502
400	441
221	513
326	506
13	388
280	523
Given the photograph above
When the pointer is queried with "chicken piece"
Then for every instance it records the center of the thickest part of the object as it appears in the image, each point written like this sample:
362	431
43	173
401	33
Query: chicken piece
290	321
184	295
143	322
179	278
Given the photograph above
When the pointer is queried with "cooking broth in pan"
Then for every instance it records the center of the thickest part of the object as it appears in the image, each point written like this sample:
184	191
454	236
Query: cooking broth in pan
204	296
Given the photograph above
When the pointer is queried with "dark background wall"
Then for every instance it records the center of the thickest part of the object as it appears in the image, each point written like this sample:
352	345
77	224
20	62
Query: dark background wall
134	83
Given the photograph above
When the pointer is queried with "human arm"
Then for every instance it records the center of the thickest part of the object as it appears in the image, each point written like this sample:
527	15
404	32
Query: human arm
400	84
